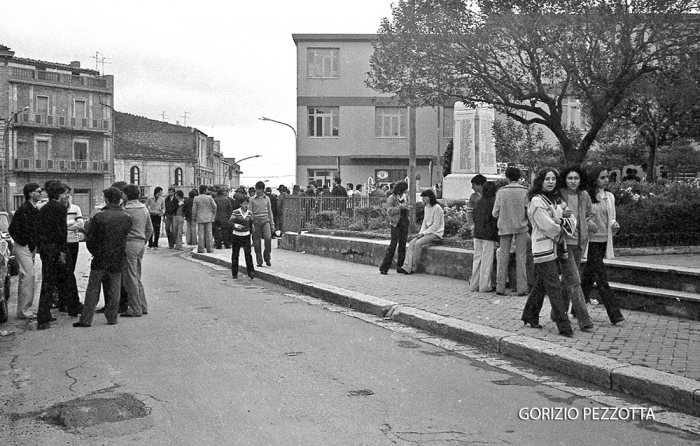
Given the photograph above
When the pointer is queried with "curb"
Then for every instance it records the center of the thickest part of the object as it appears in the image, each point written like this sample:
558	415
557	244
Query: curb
678	392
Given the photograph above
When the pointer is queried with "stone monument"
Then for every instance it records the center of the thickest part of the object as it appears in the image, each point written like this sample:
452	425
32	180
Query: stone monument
474	151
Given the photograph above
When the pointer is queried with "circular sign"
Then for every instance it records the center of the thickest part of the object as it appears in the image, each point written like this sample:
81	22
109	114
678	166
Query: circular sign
382	174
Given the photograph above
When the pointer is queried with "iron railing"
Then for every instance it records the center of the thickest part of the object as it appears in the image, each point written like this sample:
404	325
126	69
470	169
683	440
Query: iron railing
298	212
58	78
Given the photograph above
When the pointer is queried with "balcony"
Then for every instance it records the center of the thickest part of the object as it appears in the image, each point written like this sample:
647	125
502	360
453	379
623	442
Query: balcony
59	78
62	165
62	122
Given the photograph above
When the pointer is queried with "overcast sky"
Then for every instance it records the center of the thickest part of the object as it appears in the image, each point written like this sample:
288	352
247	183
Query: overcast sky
225	63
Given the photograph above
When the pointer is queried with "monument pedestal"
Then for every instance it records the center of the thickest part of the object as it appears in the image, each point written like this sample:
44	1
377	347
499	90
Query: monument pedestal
458	186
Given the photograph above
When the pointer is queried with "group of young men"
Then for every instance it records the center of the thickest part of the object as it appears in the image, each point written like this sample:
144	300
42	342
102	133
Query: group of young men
115	236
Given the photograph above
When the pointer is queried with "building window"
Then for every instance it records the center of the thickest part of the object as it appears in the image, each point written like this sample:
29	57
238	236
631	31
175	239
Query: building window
42	105
178	177
321	178
390	122
448	122
322	62
80	149
134	176
42	149
324	121
79	109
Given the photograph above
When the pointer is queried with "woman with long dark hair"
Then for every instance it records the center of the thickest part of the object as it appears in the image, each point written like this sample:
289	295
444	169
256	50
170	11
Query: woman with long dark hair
550	219
397	209
600	244
431	230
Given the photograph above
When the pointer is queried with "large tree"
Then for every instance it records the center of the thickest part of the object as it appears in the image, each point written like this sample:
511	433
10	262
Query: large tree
526	57
524	145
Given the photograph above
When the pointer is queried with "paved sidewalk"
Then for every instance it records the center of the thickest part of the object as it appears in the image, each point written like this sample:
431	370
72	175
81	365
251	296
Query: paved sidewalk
664	343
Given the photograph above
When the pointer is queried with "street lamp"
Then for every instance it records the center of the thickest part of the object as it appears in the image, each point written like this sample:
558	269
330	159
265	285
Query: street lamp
5	168
296	141
246	158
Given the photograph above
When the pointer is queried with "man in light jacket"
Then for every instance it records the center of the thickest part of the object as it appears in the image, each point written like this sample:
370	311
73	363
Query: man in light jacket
204	213
141	231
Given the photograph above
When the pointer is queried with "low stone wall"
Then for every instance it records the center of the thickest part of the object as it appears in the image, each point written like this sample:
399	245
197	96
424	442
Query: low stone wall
437	260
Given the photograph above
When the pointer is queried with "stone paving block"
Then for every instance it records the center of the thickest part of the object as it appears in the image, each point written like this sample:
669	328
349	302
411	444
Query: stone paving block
664	388
589	367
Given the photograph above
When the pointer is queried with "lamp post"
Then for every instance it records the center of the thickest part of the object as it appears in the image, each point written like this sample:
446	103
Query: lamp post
296	140
5	168
246	158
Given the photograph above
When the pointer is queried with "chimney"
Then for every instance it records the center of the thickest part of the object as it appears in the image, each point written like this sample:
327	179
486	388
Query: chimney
75	64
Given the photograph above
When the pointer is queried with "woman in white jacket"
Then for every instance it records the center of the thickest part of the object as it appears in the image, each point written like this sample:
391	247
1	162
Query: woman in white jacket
600	243
431	231
551	220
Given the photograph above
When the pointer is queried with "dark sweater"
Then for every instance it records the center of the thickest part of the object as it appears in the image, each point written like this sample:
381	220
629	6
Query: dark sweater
23	227
106	238
51	225
485	224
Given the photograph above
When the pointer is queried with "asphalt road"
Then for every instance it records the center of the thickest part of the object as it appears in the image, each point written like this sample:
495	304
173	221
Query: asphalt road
219	361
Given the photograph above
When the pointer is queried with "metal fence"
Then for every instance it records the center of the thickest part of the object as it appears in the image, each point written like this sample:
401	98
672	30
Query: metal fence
297	212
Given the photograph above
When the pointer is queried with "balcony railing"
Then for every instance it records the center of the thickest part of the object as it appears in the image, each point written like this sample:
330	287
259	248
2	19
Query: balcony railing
62	165
43	120
58	78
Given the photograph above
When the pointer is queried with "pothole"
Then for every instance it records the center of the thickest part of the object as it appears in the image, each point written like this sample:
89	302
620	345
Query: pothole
89	411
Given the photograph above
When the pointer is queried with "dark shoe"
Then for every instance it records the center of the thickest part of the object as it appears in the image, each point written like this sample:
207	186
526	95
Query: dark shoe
500	294
62	309
523	294
259	265
383	272
110	323
143	313
53	319
43	326
80	324
533	324
268	263
618	321
402	271
129	315
235	277
588	328
568	334
100	310
251	276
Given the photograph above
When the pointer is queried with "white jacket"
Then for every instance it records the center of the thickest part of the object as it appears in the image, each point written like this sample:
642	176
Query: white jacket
547	236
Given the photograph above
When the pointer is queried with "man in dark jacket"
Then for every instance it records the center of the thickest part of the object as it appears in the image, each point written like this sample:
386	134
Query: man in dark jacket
171	205
106	241
222	230
24	234
55	256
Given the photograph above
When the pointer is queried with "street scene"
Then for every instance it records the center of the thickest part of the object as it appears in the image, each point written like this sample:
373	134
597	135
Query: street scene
358	223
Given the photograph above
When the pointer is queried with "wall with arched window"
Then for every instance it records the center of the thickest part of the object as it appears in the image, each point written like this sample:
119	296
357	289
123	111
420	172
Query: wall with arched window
135	175
178	177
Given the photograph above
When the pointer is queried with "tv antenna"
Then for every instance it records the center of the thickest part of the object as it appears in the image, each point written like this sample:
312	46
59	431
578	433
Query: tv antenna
185	118
162	115
100	59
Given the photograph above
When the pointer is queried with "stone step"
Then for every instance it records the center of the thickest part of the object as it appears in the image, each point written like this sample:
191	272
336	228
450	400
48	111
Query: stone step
659	301
676	278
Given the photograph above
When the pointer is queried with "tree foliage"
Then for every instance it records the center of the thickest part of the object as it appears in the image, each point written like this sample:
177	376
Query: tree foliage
522	144
526	57
680	156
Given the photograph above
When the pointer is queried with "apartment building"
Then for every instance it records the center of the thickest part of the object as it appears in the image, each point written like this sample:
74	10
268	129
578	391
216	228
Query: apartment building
56	123
346	128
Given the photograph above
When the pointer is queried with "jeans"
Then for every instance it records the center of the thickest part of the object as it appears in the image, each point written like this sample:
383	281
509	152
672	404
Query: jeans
178	226
522	241
594	271
238	242
191	231
169	230
399	233
92	294
547	282
262	231
482	265
414	251
204	237
56	275
27	279
153	242
131	278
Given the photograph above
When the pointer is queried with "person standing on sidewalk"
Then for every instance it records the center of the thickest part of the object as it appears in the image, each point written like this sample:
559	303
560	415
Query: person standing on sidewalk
431	231
221	228
263	225
397	209
203	213
170	209
550	219
24	233
140	232
485	235
600	243
156	209
179	219
74	223
477	183
242	223
191	226
510	209
106	241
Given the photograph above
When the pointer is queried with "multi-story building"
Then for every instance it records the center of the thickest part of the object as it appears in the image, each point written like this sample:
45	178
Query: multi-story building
56	123
151	153
346	128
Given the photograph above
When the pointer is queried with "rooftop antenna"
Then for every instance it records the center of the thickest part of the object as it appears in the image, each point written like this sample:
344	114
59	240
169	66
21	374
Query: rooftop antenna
100	58
185	118
162	115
